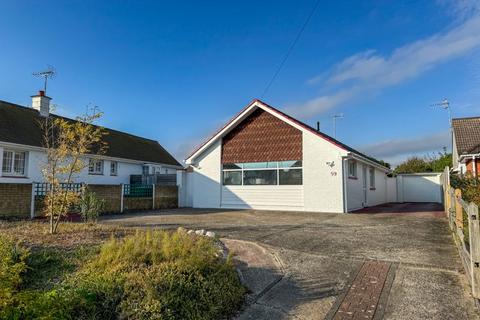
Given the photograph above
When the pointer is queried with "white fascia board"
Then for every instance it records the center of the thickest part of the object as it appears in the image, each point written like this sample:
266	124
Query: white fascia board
24	147
463	156
369	162
233	123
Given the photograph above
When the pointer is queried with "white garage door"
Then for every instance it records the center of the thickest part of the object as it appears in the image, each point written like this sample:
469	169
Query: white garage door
423	187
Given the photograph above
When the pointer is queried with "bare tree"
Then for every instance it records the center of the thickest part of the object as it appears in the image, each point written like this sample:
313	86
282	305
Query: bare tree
67	143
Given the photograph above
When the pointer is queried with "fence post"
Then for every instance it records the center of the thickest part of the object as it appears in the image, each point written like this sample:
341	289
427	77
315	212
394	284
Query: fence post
121	197
32	202
458	209
153	196
474	232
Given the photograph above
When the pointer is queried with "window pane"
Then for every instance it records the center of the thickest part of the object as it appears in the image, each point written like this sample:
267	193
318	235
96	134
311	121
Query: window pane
19	163
260	177
288	164
232	178
372	178
7	161
290	176
232	166
113	168
259	165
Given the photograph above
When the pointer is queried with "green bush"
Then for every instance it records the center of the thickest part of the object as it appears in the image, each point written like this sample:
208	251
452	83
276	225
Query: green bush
12	268
469	185
91	206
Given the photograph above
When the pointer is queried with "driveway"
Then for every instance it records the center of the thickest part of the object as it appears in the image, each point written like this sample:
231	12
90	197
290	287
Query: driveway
401	255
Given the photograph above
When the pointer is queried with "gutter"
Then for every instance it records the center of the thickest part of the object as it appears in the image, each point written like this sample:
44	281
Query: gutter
26	147
355	156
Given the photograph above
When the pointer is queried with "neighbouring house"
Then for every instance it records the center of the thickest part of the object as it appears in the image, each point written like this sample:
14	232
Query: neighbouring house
128	158
466	145
265	159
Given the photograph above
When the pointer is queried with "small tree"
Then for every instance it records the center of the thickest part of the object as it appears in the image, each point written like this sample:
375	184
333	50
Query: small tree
66	143
91	206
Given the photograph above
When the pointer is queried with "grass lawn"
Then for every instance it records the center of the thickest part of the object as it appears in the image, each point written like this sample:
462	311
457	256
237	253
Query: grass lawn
105	272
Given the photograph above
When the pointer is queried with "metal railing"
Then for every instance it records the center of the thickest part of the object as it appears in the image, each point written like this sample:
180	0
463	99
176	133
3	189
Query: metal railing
138	190
156	179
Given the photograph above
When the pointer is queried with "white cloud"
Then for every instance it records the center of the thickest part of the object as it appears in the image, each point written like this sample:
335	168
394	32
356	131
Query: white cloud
397	150
369	71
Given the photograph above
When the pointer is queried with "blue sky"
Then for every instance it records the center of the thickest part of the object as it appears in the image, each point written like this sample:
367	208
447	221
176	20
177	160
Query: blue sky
176	71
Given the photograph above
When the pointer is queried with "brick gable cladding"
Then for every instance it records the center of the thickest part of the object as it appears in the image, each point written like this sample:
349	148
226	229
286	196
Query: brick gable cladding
262	137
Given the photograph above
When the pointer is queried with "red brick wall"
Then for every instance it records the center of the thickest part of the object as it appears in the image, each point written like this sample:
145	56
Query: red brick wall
262	137
469	164
15	199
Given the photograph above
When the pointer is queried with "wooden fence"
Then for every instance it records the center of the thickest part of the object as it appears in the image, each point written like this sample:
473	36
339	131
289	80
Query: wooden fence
464	223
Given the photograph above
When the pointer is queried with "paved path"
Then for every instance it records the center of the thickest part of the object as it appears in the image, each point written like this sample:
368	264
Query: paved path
322	256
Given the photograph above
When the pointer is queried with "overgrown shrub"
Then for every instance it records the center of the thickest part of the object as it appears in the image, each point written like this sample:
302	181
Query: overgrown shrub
149	275
469	185
91	206
12	268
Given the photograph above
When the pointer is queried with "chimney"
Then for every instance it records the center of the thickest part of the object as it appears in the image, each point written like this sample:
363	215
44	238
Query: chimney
318	126
41	103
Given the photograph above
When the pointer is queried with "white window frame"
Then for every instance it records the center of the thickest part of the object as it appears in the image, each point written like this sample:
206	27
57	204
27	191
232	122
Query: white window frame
372	178
11	172
277	167
113	168
93	169
352	175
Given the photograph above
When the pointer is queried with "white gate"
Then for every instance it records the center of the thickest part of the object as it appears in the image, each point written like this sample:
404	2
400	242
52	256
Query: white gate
419	187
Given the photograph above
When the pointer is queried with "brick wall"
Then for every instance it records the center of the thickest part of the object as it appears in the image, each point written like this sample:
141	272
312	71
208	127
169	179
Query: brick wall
15	199
132	204
166	197
262	137
110	193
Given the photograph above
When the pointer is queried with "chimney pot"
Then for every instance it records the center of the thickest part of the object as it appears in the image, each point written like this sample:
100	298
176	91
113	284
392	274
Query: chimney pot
41	93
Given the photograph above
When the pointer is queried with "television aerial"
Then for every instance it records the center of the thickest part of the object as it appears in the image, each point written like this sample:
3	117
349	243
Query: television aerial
48	73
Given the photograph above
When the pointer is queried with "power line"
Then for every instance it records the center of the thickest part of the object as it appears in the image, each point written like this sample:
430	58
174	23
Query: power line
289	51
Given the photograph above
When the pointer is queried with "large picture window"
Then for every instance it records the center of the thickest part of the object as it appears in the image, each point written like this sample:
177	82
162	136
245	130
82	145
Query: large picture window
263	173
14	163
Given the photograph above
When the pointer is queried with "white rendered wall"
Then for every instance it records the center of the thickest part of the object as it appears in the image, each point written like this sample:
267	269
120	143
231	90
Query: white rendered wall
206	178
355	192
379	194
37	159
322	184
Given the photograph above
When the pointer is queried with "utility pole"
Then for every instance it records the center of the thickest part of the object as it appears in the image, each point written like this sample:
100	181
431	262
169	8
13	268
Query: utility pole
335	117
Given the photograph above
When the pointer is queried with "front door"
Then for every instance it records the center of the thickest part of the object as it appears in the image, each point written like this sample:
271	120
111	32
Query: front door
364	185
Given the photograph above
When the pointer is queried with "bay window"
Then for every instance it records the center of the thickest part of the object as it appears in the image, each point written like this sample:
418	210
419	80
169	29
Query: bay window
263	173
14	163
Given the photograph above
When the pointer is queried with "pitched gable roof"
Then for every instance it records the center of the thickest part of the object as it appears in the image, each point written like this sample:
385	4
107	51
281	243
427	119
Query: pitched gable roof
467	135
278	113
21	125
